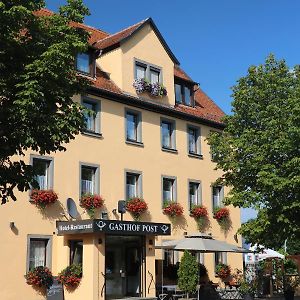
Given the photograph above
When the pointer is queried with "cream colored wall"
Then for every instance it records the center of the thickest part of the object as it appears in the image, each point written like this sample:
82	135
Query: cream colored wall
113	156
111	63
145	46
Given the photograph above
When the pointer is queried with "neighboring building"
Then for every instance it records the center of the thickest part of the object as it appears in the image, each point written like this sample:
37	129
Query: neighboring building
134	145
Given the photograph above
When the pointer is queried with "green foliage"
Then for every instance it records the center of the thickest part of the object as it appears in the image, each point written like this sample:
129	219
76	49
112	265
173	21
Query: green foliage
37	82
188	273
259	151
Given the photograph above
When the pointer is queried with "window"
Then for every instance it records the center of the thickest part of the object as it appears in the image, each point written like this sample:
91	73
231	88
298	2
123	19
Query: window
169	189
194	194
89	179
44	169
133	185
76	252
200	258
85	63
133	126
147	71
171	257
92	116
184	94
217	195
194	140
38	251
220	258
168	134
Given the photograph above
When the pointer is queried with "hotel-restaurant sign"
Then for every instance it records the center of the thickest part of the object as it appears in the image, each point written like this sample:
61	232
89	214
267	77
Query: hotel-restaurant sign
112	227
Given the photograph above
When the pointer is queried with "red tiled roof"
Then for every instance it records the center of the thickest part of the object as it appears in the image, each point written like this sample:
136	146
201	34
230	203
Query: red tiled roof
204	108
178	72
95	34
116	38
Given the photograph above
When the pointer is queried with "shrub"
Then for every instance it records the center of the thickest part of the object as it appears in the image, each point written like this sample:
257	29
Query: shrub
223	271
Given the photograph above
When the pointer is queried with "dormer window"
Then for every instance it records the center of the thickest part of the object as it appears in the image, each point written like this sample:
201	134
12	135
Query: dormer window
184	94
149	72
85	63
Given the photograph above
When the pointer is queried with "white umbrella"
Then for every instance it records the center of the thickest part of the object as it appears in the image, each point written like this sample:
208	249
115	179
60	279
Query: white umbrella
201	243
263	253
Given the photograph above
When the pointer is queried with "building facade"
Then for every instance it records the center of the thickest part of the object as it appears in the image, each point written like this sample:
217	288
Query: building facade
137	144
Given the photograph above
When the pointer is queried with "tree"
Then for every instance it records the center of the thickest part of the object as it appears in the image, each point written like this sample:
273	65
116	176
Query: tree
37	82
188	273
258	151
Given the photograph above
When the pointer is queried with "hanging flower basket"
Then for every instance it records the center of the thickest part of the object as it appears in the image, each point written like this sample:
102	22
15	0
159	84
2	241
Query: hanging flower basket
39	277
223	271
90	202
43	198
136	206
71	276
221	214
200	214
172	209
154	89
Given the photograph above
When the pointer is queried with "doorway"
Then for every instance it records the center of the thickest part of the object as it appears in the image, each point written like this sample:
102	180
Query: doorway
123	266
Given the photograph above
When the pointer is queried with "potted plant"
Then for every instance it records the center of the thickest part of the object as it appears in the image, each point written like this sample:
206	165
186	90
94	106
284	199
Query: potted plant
39	277
43	198
136	206
172	209
200	214
188	273
247	288
221	214
90	202
223	271
158	90
71	276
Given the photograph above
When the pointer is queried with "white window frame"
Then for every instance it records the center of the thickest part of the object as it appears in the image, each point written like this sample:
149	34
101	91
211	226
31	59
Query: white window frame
48	249
96	177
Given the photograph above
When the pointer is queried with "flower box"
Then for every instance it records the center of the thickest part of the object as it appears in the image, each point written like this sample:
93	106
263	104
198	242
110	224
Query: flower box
39	277
200	214
154	89
71	276
172	209
90	202
221	214
43	198
136	206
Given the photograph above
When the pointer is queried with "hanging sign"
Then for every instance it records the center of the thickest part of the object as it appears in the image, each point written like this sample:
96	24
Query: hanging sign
112	227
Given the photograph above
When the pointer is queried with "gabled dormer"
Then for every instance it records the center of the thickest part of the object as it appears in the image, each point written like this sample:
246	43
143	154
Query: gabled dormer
140	62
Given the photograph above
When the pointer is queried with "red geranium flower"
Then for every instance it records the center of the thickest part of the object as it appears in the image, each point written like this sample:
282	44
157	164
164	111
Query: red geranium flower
42	198
172	209
136	206
91	202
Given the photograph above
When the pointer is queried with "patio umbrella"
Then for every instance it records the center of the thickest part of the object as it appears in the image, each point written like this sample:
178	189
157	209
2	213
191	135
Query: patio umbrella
200	242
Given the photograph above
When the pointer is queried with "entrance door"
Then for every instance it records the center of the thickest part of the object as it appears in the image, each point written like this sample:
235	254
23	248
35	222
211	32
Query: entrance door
123	259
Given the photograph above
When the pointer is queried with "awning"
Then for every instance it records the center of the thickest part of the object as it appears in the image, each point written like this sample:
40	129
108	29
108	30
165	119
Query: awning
201	243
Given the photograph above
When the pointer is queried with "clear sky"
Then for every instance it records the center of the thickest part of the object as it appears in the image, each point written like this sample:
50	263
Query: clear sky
214	40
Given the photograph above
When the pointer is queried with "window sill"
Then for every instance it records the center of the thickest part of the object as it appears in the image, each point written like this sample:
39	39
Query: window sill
134	143
92	134
195	155
86	75
171	150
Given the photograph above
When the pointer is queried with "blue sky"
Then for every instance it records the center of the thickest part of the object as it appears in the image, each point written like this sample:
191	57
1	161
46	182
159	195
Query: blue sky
215	40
